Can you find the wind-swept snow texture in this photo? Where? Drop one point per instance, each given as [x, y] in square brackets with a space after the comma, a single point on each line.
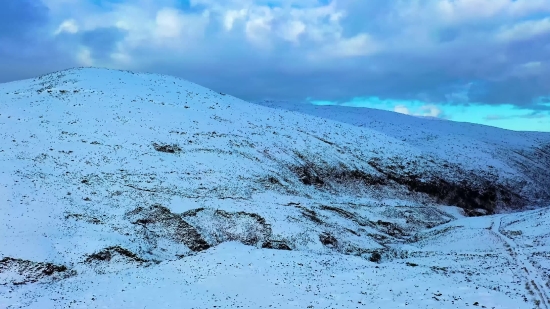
[124, 190]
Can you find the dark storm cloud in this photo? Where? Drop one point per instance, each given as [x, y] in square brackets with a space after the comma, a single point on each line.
[451, 62]
[438, 77]
[418, 53]
[18, 18]
[102, 41]
[25, 49]
[527, 76]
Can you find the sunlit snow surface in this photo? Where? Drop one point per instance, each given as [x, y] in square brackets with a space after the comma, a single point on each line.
[82, 186]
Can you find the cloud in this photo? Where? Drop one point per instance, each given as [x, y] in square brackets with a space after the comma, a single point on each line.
[463, 52]
[531, 115]
[520, 120]
[423, 111]
[25, 49]
[359, 45]
[19, 17]
[18, 22]
[430, 111]
[102, 42]
[68, 26]
[524, 30]
[402, 109]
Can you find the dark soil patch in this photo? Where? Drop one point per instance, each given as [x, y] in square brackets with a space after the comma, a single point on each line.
[258, 218]
[473, 191]
[192, 212]
[275, 244]
[310, 214]
[328, 240]
[347, 215]
[176, 228]
[470, 191]
[390, 228]
[108, 253]
[346, 176]
[340, 211]
[31, 272]
[308, 175]
[167, 148]
[375, 257]
[92, 220]
[257, 232]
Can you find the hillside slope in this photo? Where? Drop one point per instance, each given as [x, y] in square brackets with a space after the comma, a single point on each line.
[114, 182]
[471, 146]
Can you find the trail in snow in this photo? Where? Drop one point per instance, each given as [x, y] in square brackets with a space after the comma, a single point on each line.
[534, 283]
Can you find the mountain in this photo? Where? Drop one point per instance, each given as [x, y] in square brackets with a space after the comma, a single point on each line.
[127, 190]
[521, 159]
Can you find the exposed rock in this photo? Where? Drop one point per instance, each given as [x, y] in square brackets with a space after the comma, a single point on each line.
[275, 244]
[328, 240]
[172, 225]
[375, 257]
[469, 191]
[167, 148]
[220, 226]
[107, 254]
[18, 271]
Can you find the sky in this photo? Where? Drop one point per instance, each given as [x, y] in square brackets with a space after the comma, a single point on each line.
[481, 61]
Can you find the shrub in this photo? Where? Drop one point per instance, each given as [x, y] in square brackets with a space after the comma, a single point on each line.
[375, 257]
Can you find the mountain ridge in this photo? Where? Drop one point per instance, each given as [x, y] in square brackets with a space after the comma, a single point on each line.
[111, 175]
[480, 162]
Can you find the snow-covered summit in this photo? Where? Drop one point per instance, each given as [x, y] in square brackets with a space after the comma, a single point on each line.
[111, 179]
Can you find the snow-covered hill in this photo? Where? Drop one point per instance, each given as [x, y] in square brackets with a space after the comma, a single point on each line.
[125, 190]
[469, 145]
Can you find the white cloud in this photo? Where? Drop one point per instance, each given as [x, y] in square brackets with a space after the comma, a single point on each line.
[84, 56]
[264, 25]
[402, 109]
[231, 16]
[359, 45]
[258, 27]
[519, 8]
[422, 111]
[461, 10]
[172, 24]
[169, 23]
[429, 111]
[292, 30]
[524, 30]
[68, 26]
[122, 59]
[446, 12]
[310, 26]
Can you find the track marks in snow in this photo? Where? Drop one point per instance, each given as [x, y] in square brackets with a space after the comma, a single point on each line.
[533, 283]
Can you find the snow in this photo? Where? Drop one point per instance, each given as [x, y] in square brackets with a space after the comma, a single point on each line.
[84, 184]
[236, 276]
[474, 144]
